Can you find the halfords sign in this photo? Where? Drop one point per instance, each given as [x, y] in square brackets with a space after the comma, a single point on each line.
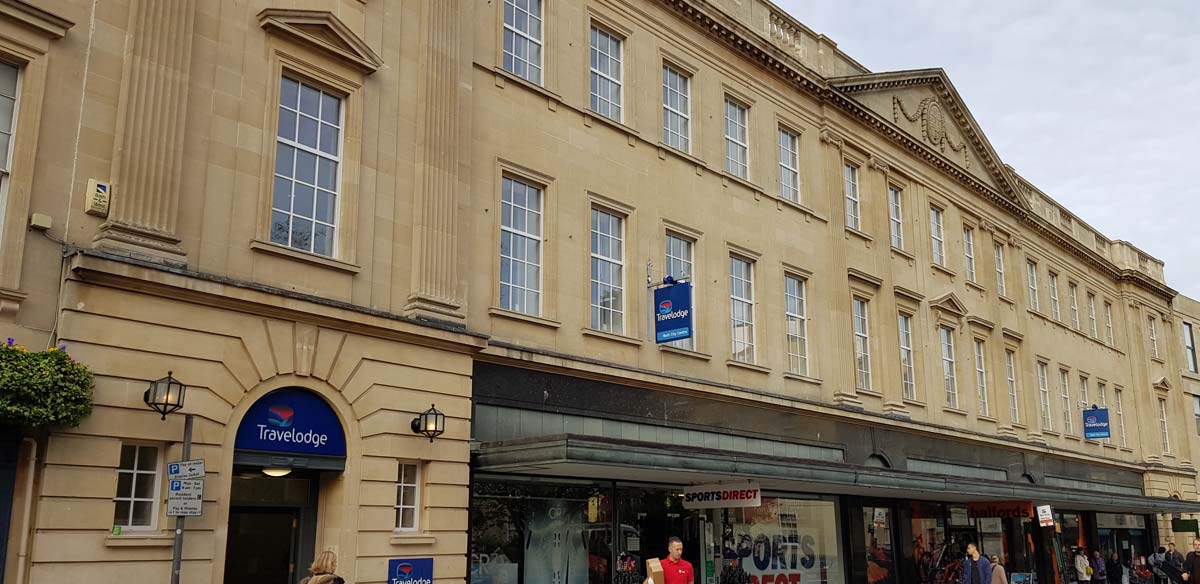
[722, 496]
[293, 421]
[673, 312]
[1000, 510]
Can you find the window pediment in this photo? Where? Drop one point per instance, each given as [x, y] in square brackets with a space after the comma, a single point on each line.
[322, 30]
[49, 24]
[949, 304]
[1162, 384]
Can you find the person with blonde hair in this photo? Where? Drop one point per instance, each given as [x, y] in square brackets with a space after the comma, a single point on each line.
[322, 570]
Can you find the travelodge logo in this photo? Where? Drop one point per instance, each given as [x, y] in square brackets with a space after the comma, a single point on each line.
[664, 307]
[404, 575]
[280, 415]
[666, 311]
[1091, 419]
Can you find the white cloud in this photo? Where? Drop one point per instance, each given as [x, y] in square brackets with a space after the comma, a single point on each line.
[1097, 102]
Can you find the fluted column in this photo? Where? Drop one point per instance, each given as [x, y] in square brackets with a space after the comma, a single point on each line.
[435, 290]
[148, 157]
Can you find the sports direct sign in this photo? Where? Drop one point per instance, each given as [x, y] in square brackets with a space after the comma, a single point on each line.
[722, 496]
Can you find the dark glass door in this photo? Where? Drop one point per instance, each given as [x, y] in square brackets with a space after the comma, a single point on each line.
[262, 546]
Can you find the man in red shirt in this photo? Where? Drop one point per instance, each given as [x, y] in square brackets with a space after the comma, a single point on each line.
[677, 570]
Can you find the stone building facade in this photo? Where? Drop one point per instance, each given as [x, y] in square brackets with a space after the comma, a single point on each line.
[387, 204]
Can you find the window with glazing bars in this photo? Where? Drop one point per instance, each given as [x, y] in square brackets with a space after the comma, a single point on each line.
[608, 267]
[1010, 366]
[789, 165]
[1001, 285]
[1064, 384]
[741, 308]
[937, 236]
[969, 252]
[896, 216]
[523, 39]
[520, 247]
[677, 130]
[949, 379]
[908, 377]
[853, 214]
[797, 324]
[680, 265]
[737, 139]
[606, 74]
[862, 344]
[308, 156]
[1044, 397]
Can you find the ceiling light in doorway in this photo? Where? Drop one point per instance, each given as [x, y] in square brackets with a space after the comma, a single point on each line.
[277, 472]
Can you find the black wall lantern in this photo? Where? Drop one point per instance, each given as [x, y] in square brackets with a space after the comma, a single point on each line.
[431, 423]
[165, 395]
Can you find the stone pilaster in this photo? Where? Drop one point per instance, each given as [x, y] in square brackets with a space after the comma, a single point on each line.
[435, 291]
[148, 156]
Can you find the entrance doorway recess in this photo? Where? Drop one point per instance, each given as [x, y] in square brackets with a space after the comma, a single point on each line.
[272, 527]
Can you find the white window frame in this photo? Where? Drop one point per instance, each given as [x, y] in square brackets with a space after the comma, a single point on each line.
[1064, 385]
[680, 139]
[1052, 285]
[598, 76]
[401, 504]
[853, 201]
[535, 71]
[1196, 411]
[688, 263]
[1083, 392]
[896, 215]
[937, 235]
[743, 350]
[1010, 365]
[981, 387]
[1163, 426]
[1091, 298]
[796, 314]
[1189, 347]
[1073, 291]
[908, 376]
[1043, 370]
[969, 252]
[523, 236]
[297, 147]
[737, 138]
[1152, 331]
[1031, 276]
[6, 154]
[1108, 326]
[1117, 395]
[949, 377]
[616, 314]
[861, 316]
[1001, 285]
[155, 494]
[789, 165]
[1102, 389]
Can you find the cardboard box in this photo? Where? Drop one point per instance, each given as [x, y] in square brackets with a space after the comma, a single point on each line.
[654, 571]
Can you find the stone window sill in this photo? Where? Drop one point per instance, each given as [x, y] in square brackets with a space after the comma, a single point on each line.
[685, 352]
[589, 116]
[728, 177]
[956, 411]
[502, 75]
[859, 234]
[976, 286]
[287, 252]
[664, 149]
[750, 366]
[1007, 299]
[868, 392]
[803, 378]
[991, 419]
[905, 254]
[915, 403]
[145, 539]
[944, 270]
[412, 538]
[618, 338]
[807, 211]
[496, 311]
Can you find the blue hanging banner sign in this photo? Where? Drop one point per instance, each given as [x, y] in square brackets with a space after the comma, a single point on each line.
[673, 312]
[1095, 424]
[294, 421]
[410, 571]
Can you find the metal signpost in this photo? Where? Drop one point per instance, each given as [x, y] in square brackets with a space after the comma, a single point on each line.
[185, 495]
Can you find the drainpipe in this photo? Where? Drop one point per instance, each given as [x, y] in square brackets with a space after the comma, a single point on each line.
[23, 551]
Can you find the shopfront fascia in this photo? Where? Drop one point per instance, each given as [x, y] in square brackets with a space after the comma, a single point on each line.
[612, 468]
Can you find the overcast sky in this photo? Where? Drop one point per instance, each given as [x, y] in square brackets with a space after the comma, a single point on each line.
[1096, 102]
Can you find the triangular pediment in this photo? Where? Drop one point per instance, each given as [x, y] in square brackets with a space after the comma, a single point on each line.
[950, 304]
[925, 106]
[1162, 383]
[322, 30]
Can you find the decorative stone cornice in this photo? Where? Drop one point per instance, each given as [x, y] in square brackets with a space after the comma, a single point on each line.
[837, 92]
[828, 137]
[323, 31]
[878, 164]
[47, 23]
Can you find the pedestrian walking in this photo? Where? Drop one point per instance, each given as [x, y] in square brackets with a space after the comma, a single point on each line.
[1096, 563]
[1174, 557]
[1083, 568]
[1191, 565]
[977, 568]
[999, 576]
[1114, 569]
[1157, 560]
[323, 570]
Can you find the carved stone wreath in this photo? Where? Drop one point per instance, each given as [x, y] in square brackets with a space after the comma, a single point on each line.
[932, 117]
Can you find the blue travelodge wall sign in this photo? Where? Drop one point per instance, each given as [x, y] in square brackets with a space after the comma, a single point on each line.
[1095, 423]
[673, 312]
[294, 421]
[410, 571]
